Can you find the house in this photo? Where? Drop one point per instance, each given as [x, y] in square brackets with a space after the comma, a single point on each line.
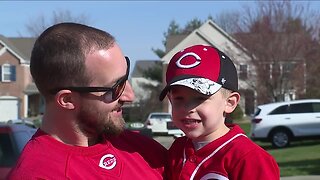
[138, 81]
[19, 98]
[211, 34]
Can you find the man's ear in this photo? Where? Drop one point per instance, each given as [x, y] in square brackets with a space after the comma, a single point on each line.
[65, 99]
[232, 102]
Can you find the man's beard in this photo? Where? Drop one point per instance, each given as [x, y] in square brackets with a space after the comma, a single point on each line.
[97, 124]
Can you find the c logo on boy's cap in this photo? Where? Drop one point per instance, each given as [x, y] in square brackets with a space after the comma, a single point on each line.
[196, 63]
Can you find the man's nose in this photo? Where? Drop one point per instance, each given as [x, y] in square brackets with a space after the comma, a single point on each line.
[128, 94]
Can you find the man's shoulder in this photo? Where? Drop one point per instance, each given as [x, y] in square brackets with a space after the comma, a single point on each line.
[182, 139]
[151, 151]
[179, 143]
[34, 160]
[40, 151]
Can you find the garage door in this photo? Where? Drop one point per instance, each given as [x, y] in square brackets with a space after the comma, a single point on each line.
[9, 108]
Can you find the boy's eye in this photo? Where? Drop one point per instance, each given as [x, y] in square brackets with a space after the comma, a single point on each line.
[177, 98]
[201, 98]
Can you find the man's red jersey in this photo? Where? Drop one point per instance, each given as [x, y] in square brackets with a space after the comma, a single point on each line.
[129, 156]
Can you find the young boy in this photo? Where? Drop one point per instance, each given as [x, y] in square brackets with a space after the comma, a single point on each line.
[202, 86]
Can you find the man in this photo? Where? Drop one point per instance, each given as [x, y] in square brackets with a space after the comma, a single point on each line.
[82, 74]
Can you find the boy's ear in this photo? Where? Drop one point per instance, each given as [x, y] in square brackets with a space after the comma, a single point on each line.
[65, 99]
[232, 102]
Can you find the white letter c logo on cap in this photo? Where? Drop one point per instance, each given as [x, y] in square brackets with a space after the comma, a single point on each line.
[197, 62]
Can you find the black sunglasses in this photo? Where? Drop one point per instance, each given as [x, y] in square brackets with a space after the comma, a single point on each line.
[111, 93]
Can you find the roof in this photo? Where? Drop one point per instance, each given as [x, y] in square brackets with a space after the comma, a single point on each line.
[174, 40]
[24, 45]
[19, 46]
[290, 102]
[31, 89]
[210, 34]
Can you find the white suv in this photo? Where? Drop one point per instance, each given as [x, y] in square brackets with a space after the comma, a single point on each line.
[282, 122]
[161, 123]
[157, 122]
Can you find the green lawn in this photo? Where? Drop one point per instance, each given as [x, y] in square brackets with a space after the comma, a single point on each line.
[301, 158]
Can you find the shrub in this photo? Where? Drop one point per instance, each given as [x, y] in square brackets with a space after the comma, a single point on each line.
[237, 114]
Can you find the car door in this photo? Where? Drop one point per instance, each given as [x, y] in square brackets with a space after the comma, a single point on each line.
[159, 122]
[305, 119]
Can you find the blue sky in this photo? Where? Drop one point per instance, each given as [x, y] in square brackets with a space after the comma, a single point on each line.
[137, 25]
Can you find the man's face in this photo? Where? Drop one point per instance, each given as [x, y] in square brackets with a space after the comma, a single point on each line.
[96, 120]
[97, 114]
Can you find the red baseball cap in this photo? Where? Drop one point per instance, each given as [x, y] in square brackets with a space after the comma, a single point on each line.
[202, 68]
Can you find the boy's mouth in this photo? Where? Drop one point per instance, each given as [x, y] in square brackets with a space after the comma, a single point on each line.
[190, 121]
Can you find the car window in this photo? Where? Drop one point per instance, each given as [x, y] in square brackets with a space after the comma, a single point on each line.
[161, 116]
[257, 112]
[7, 154]
[281, 110]
[316, 107]
[301, 108]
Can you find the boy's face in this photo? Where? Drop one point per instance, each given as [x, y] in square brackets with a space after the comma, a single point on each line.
[199, 116]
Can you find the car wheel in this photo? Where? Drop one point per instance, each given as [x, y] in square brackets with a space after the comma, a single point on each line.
[280, 138]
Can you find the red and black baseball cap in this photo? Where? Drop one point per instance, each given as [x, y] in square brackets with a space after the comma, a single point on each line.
[202, 68]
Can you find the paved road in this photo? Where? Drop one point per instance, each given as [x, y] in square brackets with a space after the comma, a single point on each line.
[166, 141]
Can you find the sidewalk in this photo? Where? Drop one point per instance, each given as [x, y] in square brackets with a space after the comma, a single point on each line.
[312, 177]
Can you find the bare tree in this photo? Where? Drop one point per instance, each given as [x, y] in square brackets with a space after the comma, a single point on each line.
[279, 36]
[228, 21]
[37, 25]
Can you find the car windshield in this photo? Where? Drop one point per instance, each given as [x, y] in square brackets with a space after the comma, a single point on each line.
[161, 116]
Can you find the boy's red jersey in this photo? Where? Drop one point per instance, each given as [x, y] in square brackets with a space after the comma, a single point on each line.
[232, 156]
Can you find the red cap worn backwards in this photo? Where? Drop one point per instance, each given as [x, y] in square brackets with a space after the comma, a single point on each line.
[202, 68]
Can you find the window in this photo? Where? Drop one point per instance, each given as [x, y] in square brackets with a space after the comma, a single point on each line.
[8, 73]
[316, 107]
[161, 116]
[22, 137]
[243, 74]
[281, 110]
[267, 70]
[301, 108]
[257, 112]
[276, 70]
[287, 67]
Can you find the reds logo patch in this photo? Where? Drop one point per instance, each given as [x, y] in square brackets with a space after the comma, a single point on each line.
[108, 161]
